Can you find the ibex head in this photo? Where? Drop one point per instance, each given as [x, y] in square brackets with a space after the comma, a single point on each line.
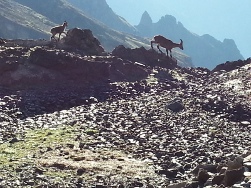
[181, 44]
[65, 23]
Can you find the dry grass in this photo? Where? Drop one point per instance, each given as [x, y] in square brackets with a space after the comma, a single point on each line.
[101, 162]
[56, 152]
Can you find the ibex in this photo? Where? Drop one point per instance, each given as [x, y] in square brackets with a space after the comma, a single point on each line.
[165, 43]
[58, 30]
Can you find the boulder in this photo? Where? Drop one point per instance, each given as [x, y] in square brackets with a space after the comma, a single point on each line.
[233, 176]
[236, 163]
[147, 57]
[83, 40]
[175, 106]
[203, 176]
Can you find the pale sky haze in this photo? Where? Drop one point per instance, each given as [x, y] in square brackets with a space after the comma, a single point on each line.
[219, 18]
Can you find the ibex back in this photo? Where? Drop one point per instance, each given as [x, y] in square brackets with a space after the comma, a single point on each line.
[165, 43]
[58, 30]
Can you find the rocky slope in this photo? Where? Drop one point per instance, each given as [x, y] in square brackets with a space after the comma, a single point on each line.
[41, 16]
[13, 24]
[101, 11]
[74, 116]
[205, 50]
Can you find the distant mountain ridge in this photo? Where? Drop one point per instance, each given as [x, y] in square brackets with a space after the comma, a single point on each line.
[204, 50]
[101, 11]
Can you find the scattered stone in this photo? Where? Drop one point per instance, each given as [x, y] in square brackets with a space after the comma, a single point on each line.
[60, 166]
[169, 173]
[245, 123]
[247, 158]
[248, 165]
[14, 140]
[177, 185]
[208, 167]
[39, 170]
[175, 105]
[81, 171]
[247, 174]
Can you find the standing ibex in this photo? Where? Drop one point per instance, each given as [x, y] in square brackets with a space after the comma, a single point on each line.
[58, 30]
[165, 43]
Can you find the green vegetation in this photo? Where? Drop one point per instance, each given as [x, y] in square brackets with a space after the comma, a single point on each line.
[33, 143]
[64, 153]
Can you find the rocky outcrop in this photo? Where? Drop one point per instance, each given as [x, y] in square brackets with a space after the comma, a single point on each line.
[229, 66]
[76, 39]
[83, 39]
[51, 66]
[75, 58]
[146, 57]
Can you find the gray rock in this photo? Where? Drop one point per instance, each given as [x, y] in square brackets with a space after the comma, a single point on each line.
[83, 39]
[233, 176]
[175, 106]
[218, 179]
[203, 176]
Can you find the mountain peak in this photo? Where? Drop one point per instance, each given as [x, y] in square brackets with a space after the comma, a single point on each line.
[145, 24]
[145, 19]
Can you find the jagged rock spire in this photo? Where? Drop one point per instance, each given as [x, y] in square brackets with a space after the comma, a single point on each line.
[145, 19]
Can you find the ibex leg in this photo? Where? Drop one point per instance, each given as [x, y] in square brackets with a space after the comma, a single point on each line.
[171, 54]
[159, 48]
[167, 52]
[152, 41]
[52, 37]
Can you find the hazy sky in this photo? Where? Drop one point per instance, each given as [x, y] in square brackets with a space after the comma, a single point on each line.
[219, 18]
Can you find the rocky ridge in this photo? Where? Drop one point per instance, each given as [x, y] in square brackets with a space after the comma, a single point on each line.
[100, 10]
[141, 124]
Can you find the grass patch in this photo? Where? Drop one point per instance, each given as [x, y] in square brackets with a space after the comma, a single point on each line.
[57, 154]
[33, 143]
